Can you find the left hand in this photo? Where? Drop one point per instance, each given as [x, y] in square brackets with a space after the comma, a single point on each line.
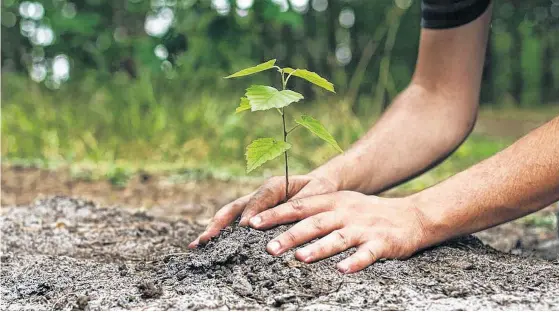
[379, 227]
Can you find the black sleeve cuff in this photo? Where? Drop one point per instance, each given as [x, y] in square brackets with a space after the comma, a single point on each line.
[439, 14]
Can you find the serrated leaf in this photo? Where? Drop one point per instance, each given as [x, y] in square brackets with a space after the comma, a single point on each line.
[253, 70]
[264, 97]
[263, 150]
[311, 77]
[243, 106]
[319, 130]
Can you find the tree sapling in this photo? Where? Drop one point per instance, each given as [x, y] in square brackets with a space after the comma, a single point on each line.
[258, 97]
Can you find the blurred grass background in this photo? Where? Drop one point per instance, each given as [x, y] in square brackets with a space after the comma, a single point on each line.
[83, 127]
[111, 88]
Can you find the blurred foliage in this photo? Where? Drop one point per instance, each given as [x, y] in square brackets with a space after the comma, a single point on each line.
[141, 80]
[548, 221]
[203, 135]
[365, 47]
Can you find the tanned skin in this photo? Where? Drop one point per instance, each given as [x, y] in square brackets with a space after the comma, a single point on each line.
[423, 125]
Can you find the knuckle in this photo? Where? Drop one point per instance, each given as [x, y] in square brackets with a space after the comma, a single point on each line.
[326, 184]
[321, 249]
[256, 201]
[290, 237]
[297, 204]
[371, 253]
[342, 238]
[270, 214]
[265, 191]
[361, 235]
[317, 223]
[382, 236]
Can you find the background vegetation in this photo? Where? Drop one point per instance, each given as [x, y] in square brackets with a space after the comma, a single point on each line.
[138, 83]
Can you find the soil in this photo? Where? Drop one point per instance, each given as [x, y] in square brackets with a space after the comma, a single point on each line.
[163, 194]
[198, 200]
[64, 253]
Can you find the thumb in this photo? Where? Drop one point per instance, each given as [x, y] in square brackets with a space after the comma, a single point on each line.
[271, 194]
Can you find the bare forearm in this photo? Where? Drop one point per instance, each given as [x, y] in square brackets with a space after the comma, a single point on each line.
[419, 129]
[517, 181]
[428, 120]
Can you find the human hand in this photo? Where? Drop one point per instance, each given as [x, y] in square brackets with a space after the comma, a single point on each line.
[379, 228]
[267, 196]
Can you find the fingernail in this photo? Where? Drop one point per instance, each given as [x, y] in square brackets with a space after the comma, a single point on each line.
[305, 255]
[274, 247]
[194, 244]
[256, 221]
[242, 222]
[343, 267]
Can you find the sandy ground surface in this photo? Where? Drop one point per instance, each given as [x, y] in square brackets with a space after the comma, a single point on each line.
[198, 199]
[63, 253]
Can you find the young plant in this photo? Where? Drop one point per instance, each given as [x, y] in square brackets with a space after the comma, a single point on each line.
[258, 98]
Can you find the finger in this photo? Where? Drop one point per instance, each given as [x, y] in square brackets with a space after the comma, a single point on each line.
[292, 211]
[331, 244]
[270, 194]
[304, 231]
[222, 218]
[194, 243]
[365, 255]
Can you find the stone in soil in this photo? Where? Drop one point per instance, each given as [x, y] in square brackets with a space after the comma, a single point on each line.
[64, 253]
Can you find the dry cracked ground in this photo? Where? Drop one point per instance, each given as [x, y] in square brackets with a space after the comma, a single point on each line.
[65, 253]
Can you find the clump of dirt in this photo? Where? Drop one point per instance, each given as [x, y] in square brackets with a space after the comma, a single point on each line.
[64, 253]
[150, 290]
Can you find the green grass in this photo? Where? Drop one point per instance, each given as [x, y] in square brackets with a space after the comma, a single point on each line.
[538, 221]
[147, 122]
[111, 130]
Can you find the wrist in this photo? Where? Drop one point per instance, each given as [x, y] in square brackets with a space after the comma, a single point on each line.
[431, 219]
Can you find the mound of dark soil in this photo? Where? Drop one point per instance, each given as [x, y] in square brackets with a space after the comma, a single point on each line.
[65, 253]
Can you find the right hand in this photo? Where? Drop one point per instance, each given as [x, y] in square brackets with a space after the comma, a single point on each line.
[267, 196]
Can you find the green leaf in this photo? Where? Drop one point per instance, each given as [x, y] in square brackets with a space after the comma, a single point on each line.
[311, 77]
[253, 70]
[318, 129]
[243, 106]
[264, 97]
[263, 150]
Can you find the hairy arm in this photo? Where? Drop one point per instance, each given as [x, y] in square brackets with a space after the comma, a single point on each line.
[427, 121]
[423, 125]
[517, 181]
